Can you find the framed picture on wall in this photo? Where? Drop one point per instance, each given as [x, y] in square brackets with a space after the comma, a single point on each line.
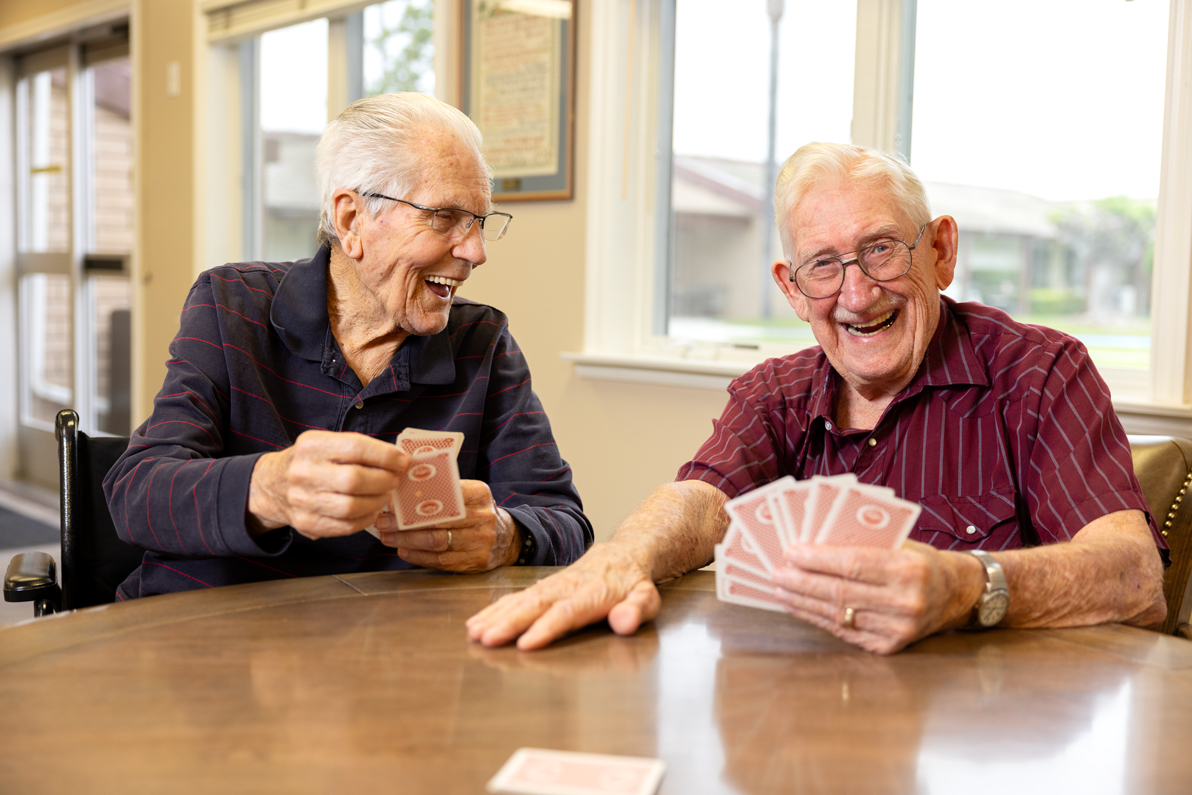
[518, 85]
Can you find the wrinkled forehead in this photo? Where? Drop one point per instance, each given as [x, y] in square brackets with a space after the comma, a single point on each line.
[451, 175]
[837, 217]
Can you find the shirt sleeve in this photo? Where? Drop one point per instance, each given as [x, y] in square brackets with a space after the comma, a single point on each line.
[1080, 463]
[520, 461]
[748, 447]
[172, 492]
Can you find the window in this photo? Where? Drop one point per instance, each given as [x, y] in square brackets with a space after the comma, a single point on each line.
[75, 232]
[294, 79]
[1048, 154]
[675, 279]
[721, 215]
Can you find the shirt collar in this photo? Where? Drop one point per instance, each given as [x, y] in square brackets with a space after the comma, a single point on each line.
[949, 361]
[299, 314]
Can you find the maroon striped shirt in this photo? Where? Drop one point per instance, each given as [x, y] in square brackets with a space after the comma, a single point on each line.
[255, 364]
[1006, 435]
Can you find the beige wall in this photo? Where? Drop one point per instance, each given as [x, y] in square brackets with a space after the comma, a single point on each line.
[163, 33]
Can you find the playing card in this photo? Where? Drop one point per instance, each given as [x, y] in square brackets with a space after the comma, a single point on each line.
[538, 771]
[752, 512]
[737, 548]
[416, 441]
[864, 516]
[788, 502]
[815, 511]
[430, 493]
[734, 591]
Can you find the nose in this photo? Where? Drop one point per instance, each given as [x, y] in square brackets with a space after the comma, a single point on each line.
[858, 288]
[470, 246]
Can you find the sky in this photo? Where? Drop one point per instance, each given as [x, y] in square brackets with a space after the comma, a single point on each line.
[1062, 99]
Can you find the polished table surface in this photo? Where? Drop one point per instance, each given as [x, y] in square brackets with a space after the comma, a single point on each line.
[367, 683]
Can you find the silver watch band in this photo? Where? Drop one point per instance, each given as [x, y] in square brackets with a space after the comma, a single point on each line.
[994, 601]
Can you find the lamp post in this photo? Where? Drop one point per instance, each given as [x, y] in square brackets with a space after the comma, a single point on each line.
[775, 9]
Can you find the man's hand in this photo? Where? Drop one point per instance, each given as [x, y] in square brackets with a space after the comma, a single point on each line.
[327, 484]
[605, 583]
[484, 539]
[898, 596]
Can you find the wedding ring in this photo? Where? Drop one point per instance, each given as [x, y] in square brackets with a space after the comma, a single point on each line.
[448, 540]
[849, 617]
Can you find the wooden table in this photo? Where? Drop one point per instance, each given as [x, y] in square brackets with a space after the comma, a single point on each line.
[367, 683]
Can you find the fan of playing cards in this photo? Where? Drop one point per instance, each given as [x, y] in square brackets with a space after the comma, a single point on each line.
[430, 493]
[835, 511]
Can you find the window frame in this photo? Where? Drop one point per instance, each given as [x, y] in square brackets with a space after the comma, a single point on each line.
[228, 111]
[628, 205]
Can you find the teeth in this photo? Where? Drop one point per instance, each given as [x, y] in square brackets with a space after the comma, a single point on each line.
[878, 324]
[444, 280]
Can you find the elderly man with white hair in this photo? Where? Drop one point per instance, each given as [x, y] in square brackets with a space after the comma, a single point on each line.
[270, 446]
[1004, 433]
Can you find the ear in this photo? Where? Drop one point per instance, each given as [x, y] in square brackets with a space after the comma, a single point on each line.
[944, 242]
[347, 209]
[781, 271]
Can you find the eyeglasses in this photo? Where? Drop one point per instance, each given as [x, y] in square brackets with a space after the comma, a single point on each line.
[454, 223]
[883, 260]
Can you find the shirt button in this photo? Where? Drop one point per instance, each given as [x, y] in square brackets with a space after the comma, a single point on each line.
[970, 530]
[359, 404]
[872, 442]
[827, 426]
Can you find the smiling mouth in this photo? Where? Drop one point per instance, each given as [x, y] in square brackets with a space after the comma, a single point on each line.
[442, 286]
[878, 325]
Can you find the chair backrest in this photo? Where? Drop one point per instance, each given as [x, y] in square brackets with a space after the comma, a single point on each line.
[94, 559]
[1163, 465]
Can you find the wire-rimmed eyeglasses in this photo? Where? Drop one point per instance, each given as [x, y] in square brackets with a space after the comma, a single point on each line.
[882, 260]
[454, 223]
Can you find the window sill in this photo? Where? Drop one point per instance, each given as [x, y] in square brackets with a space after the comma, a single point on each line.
[660, 371]
[1138, 415]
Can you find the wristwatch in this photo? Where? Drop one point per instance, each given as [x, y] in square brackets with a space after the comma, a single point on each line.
[991, 608]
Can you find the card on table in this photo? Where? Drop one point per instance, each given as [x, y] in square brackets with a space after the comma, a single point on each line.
[539, 771]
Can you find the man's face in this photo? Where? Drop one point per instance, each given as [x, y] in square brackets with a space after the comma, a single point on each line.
[875, 334]
[412, 270]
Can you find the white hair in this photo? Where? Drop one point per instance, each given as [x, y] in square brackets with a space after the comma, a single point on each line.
[373, 147]
[816, 163]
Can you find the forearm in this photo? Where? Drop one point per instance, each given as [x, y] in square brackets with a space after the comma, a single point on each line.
[675, 530]
[1109, 572]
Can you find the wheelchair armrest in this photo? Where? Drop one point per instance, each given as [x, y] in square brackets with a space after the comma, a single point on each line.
[33, 577]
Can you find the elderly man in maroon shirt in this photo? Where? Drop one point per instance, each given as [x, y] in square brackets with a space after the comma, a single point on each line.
[1003, 432]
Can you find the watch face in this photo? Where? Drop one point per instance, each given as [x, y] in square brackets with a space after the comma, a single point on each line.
[994, 608]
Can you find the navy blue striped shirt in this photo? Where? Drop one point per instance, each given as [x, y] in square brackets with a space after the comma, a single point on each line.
[255, 364]
[1006, 435]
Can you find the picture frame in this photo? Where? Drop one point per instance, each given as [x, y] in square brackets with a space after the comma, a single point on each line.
[518, 86]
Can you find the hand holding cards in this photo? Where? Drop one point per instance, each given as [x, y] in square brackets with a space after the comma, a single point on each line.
[430, 494]
[833, 511]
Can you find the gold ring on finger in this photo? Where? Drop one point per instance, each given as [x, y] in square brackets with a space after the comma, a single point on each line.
[850, 617]
[448, 540]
